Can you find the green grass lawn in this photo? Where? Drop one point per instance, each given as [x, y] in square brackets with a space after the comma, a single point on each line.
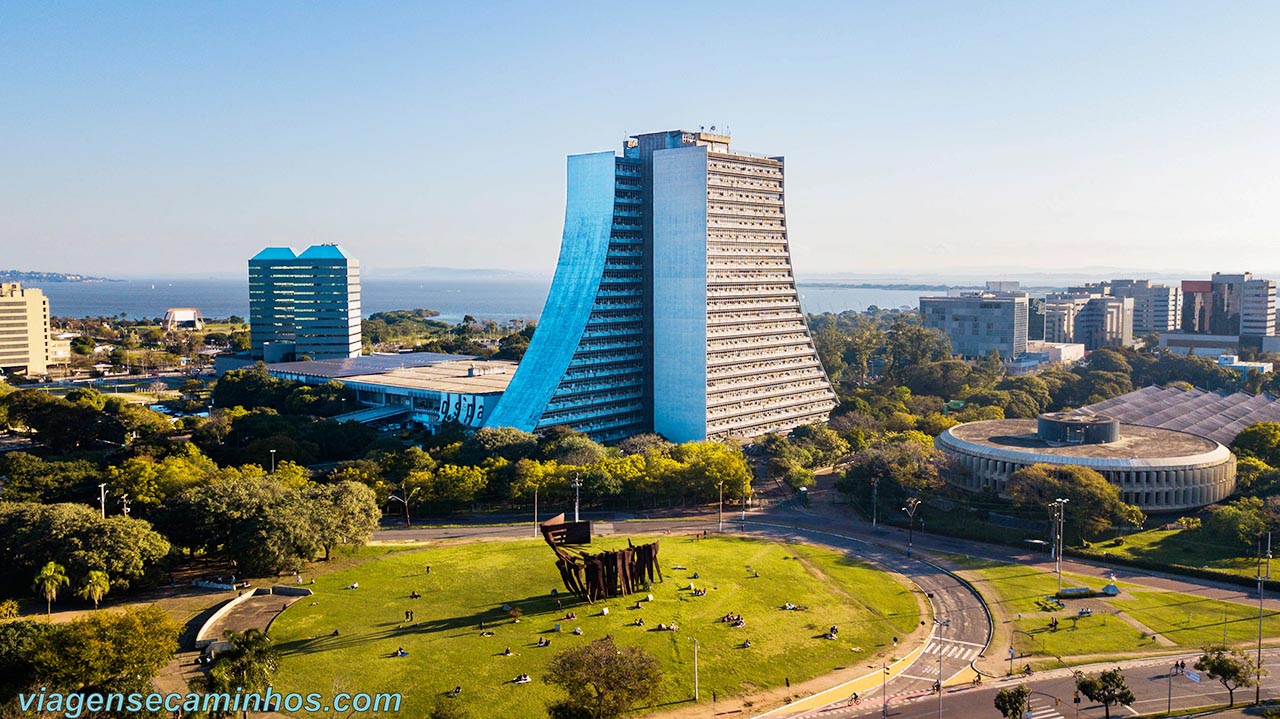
[1195, 621]
[470, 583]
[1176, 547]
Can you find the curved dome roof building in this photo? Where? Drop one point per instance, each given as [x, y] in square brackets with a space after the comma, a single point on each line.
[1157, 469]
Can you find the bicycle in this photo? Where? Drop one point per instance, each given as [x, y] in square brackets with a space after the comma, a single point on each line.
[1026, 671]
[855, 698]
[977, 680]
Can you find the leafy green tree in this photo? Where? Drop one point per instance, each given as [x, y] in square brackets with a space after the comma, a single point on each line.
[1231, 667]
[95, 586]
[29, 478]
[343, 513]
[603, 680]
[107, 651]
[1107, 687]
[1239, 521]
[49, 580]
[1259, 441]
[1011, 702]
[1094, 503]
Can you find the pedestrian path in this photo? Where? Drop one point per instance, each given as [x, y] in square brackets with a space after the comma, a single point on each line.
[953, 649]
[1044, 711]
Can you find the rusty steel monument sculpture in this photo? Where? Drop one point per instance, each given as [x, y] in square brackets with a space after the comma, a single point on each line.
[598, 575]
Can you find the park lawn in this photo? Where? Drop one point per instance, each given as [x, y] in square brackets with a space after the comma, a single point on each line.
[1177, 547]
[1018, 589]
[1193, 621]
[471, 583]
[1083, 636]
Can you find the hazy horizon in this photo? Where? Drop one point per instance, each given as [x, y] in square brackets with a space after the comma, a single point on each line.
[923, 139]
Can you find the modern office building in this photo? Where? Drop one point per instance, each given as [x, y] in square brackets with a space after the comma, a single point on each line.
[978, 322]
[673, 308]
[1093, 320]
[1156, 307]
[304, 305]
[1197, 305]
[1258, 308]
[24, 329]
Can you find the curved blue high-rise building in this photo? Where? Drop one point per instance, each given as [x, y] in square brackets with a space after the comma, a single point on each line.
[674, 307]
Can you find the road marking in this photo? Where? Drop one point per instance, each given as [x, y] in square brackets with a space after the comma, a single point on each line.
[923, 679]
[1131, 709]
[1046, 712]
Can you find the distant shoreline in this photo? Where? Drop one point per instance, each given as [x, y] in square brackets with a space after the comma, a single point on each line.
[59, 277]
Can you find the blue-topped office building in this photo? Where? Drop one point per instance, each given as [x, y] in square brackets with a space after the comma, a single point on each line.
[304, 304]
[674, 306]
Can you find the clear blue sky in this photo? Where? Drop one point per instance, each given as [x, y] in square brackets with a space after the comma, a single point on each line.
[173, 137]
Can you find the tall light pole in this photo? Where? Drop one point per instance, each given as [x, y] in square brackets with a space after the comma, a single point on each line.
[273, 461]
[746, 490]
[404, 499]
[1060, 514]
[124, 504]
[912, 504]
[720, 510]
[535, 510]
[1262, 583]
[695, 668]
[875, 505]
[102, 499]
[942, 624]
[884, 693]
[577, 487]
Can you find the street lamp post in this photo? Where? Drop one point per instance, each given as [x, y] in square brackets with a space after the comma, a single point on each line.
[102, 499]
[535, 510]
[273, 461]
[912, 504]
[720, 509]
[695, 668]
[405, 499]
[1262, 583]
[875, 505]
[1169, 708]
[942, 624]
[1059, 515]
[884, 693]
[577, 487]
[746, 489]
[124, 504]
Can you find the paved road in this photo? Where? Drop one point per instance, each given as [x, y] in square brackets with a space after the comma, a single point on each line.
[1152, 681]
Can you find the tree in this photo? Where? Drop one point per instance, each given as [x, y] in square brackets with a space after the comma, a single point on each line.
[603, 680]
[1094, 502]
[1012, 702]
[49, 580]
[107, 651]
[95, 586]
[1231, 667]
[1107, 687]
[1260, 441]
[343, 513]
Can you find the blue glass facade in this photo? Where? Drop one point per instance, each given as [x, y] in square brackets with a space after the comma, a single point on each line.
[674, 308]
[586, 367]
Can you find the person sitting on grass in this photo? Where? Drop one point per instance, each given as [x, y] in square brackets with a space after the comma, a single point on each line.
[577, 631]
[506, 652]
[522, 679]
[400, 652]
[746, 644]
[415, 595]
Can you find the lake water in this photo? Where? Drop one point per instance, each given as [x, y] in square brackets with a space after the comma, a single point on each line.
[495, 298]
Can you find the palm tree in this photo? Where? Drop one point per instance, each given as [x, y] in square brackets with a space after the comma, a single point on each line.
[96, 585]
[250, 664]
[50, 579]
